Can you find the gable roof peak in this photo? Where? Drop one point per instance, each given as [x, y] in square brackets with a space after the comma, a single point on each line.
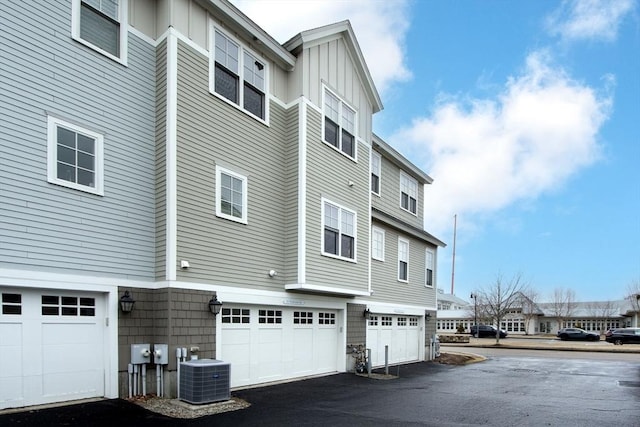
[342, 29]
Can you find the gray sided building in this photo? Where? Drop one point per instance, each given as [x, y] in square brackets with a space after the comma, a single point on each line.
[175, 151]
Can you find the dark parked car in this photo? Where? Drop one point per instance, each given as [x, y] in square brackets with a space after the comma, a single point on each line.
[623, 336]
[487, 331]
[577, 334]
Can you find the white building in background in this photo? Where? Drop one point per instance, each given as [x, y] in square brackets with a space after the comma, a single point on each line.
[596, 316]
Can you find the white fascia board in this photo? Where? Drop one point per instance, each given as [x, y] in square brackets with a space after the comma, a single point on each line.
[171, 135]
[302, 192]
[399, 309]
[331, 290]
[251, 30]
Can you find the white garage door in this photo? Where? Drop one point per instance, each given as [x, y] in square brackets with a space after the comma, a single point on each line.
[273, 343]
[51, 347]
[400, 333]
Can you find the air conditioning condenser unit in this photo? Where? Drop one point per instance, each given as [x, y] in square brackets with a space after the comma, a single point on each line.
[205, 381]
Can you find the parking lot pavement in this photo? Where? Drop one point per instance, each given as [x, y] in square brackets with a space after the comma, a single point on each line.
[549, 343]
[502, 391]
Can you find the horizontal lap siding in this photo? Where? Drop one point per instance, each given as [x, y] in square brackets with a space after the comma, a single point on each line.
[291, 198]
[384, 274]
[328, 175]
[389, 199]
[45, 226]
[210, 132]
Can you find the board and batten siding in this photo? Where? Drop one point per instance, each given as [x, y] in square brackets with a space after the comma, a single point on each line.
[48, 227]
[328, 175]
[331, 63]
[384, 274]
[161, 160]
[389, 199]
[212, 132]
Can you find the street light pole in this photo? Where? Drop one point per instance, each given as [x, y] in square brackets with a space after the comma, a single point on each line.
[475, 309]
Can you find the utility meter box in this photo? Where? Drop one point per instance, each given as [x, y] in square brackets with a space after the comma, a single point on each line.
[161, 354]
[140, 353]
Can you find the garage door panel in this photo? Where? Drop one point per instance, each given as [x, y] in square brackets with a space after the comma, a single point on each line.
[237, 336]
[403, 340]
[10, 350]
[11, 389]
[68, 333]
[303, 351]
[74, 385]
[52, 358]
[284, 342]
[236, 346]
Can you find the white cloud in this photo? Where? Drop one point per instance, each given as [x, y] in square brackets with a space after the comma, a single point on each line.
[487, 154]
[589, 19]
[380, 27]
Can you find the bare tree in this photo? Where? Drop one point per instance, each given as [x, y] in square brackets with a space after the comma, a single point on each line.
[563, 304]
[528, 303]
[633, 291]
[499, 298]
[633, 296]
[601, 311]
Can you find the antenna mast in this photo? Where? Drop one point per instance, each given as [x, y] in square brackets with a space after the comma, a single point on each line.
[453, 264]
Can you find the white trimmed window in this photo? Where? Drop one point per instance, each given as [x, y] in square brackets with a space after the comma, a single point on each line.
[403, 260]
[339, 231]
[376, 170]
[101, 25]
[377, 243]
[339, 124]
[237, 75]
[429, 267]
[231, 195]
[408, 193]
[74, 156]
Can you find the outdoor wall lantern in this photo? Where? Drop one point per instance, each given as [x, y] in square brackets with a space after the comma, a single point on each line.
[215, 305]
[366, 314]
[427, 316]
[126, 302]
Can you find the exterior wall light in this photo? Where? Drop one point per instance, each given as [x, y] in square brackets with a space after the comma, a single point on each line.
[126, 302]
[366, 314]
[215, 305]
[427, 316]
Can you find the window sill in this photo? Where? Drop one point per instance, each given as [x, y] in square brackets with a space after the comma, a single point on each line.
[340, 258]
[265, 121]
[122, 61]
[333, 147]
[77, 187]
[409, 212]
[232, 218]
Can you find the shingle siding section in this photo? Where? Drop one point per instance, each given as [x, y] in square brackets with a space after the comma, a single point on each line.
[45, 226]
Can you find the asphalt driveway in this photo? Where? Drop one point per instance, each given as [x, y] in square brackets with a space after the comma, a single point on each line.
[502, 391]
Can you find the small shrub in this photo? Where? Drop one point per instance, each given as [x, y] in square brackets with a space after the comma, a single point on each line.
[460, 329]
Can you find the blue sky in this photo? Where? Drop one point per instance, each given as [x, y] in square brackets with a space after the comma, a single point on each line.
[527, 116]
